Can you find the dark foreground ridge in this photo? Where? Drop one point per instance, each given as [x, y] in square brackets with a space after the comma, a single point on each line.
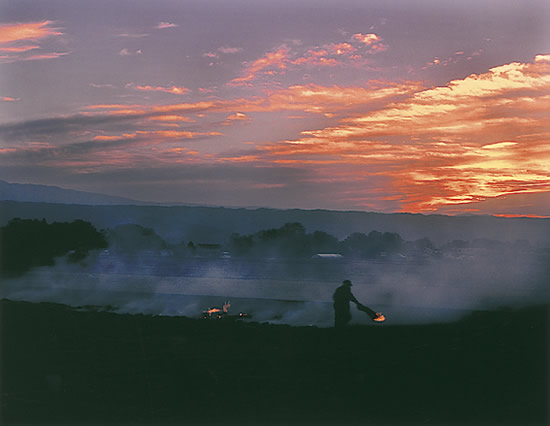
[65, 366]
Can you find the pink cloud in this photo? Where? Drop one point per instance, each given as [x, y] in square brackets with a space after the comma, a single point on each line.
[10, 33]
[476, 138]
[367, 39]
[230, 50]
[127, 52]
[271, 61]
[236, 117]
[17, 39]
[341, 48]
[19, 49]
[174, 90]
[163, 25]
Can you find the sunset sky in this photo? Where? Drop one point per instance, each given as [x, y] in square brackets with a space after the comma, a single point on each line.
[386, 106]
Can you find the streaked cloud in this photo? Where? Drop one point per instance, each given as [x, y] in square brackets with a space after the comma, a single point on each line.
[128, 52]
[18, 49]
[271, 62]
[174, 90]
[236, 117]
[164, 24]
[330, 109]
[226, 50]
[441, 146]
[31, 31]
[18, 39]
[133, 35]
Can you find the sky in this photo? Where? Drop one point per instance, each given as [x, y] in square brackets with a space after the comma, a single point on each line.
[385, 106]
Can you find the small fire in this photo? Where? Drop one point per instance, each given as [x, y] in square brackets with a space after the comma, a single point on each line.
[222, 313]
[379, 317]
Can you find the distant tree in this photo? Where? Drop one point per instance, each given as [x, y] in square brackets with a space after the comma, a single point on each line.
[456, 245]
[131, 239]
[423, 244]
[371, 245]
[241, 245]
[354, 245]
[26, 243]
[323, 242]
[191, 247]
[288, 241]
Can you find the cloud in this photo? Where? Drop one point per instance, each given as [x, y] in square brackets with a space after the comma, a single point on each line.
[270, 62]
[368, 39]
[372, 41]
[9, 99]
[135, 35]
[236, 117]
[31, 31]
[102, 86]
[126, 52]
[18, 39]
[18, 49]
[174, 90]
[480, 137]
[277, 62]
[163, 25]
[332, 99]
[230, 50]
[384, 146]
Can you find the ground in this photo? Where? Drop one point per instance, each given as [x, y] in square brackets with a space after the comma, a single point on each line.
[67, 366]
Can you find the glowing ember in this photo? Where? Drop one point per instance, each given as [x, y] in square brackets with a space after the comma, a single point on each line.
[222, 313]
[379, 317]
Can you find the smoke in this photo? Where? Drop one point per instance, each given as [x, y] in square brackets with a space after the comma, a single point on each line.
[421, 290]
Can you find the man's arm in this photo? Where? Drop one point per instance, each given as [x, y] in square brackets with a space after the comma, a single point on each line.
[353, 299]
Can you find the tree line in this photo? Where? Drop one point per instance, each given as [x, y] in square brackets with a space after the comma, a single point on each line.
[292, 241]
[26, 243]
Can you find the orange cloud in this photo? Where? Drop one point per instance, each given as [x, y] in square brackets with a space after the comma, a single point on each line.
[115, 138]
[367, 39]
[373, 41]
[329, 99]
[271, 61]
[19, 38]
[174, 90]
[341, 48]
[238, 116]
[172, 118]
[164, 25]
[10, 33]
[483, 136]
[18, 49]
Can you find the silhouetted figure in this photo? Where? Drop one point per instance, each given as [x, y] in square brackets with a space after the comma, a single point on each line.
[342, 315]
[341, 297]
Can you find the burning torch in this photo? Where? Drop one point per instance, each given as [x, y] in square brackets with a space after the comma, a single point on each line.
[375, 316]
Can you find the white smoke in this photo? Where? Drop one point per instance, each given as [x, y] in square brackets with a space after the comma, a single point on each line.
[296, 293]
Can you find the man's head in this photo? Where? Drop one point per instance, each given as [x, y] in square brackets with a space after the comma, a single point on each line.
[347, 282]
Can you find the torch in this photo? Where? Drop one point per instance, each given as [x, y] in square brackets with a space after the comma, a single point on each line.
[375, 316]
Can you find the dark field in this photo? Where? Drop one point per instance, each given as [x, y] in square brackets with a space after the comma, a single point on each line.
[60, 366]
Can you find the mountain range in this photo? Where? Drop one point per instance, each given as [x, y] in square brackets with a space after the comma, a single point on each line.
[206, 224]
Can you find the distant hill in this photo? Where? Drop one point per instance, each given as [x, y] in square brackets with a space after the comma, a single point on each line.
[216, 224]
[53, 194]
[205, 224]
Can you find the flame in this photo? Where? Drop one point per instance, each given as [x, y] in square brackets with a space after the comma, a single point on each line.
[379, 317]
